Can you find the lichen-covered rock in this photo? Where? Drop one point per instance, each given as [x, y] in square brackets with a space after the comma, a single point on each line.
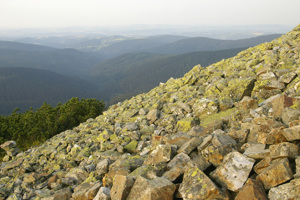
[284, 149]
[158, 188]
[196, 185]
[121, 187]
[252, 190]
[292, 133]
[190, 145]
[289, 190]
[234, 171]
[276, 174]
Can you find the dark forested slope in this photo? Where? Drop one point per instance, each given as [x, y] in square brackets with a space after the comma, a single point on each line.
[23, 88]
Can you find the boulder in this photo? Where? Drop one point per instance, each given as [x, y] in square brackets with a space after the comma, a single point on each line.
[289, 190]
[196, 185]
[252, 190]
[121, 187]
[234, 171]
[190, 145]
[277, 173]
[292, 133]
[103, 194]
[158, 188]
[284, 149]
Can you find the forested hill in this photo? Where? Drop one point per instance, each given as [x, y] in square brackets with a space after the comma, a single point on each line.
[64, 61]
[24, 88]
[209, 44]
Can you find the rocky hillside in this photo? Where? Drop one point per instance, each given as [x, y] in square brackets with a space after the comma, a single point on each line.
[228, 131]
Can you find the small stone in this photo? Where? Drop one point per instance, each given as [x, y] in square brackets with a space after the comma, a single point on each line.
[102, 166]
[276, 174]
[153, 115]
[234, 170]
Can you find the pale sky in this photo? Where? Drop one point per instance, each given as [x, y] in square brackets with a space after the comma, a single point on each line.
[68, 13]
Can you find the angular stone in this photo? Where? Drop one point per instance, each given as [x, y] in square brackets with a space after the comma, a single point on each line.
[9, 145]
[223, 140]
[289, 190]
[103, 194]
[162, 153]
[184, 106]
[174, 172]
[257, 151]
[121, 187]
[179, 159]
[102, 166]
[196, 185]
[281, 102]
[292, 133]
[79, 175]
[215, 155]
[273, 84]
[30, 178]
[287, 78]
[190, 145]
[158, 188]
[149, 171]
[86, 191]
[276, 174]
[284, 149]
[234, 171]
[153, 115]
[186, 124]
[200, 161]
[252, 190]
[64, 194]
[14, 164]
[289, 115]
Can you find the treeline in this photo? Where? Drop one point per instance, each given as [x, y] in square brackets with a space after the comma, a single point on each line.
[35, 126]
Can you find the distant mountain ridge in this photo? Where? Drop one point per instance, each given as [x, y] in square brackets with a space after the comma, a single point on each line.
[64, 61]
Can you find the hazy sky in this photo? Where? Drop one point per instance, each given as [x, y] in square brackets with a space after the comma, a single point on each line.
[66, 13]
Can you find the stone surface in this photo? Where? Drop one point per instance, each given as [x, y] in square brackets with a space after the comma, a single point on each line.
[121, 187]
[284, 149]
[234, 171]
[252, 190]
[196, 185]
[103, 194]
[190, 145]
[257, 151]
[292, 133]
[289, 190]
[277, 173]
[158, 188]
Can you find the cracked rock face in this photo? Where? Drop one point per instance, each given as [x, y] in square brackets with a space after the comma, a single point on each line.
[227, 131]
